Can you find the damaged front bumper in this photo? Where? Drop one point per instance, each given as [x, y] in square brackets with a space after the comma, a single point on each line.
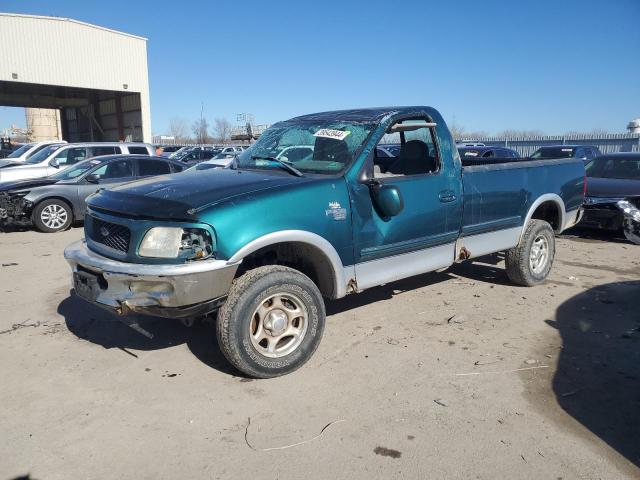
[14, 209]
[172, 291]
[631, 223]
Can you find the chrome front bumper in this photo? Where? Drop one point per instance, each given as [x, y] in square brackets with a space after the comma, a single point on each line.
[175, 290]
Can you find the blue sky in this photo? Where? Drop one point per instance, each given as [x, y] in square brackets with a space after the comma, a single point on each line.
[549, 65]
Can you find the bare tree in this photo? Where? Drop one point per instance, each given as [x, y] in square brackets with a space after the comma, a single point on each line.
[596, 132]
[520, 133]
[178, 129]
[457, 131]
[222, 130]
[200, 130]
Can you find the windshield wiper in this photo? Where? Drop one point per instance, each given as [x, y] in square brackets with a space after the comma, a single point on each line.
[286, 165]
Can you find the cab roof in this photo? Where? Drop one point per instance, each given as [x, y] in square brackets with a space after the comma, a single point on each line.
[372, 115]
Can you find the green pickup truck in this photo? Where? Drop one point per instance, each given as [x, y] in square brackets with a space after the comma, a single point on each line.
[310, 213]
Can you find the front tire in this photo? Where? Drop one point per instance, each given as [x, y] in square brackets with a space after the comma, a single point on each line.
[52, 215]
[529, 262]
[272, 321]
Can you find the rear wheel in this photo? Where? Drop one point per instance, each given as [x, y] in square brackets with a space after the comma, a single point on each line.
[529, 262]
[52, 215]
[272, 321]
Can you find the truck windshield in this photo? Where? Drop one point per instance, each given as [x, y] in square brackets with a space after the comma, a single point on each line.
[555, 152]
[320, 147]
[21, 150]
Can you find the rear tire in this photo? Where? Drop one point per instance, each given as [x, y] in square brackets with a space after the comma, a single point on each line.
[272, 321]
[529, 262]
[53, 215]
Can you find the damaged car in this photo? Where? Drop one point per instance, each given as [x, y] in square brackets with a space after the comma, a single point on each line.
[53, 203]
[612, 199]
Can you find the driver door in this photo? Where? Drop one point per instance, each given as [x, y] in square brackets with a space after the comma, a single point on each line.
[421, 237]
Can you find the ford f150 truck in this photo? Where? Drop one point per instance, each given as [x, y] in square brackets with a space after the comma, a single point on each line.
[266, 240]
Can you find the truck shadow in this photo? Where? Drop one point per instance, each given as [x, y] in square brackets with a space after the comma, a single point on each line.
[98, 326]
[597, 380]
[590, 235]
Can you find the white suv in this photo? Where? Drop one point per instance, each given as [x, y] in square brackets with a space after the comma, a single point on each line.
[54, 158]
[28, 150]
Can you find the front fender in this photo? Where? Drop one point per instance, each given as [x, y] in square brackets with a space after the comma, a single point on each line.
[341, 274]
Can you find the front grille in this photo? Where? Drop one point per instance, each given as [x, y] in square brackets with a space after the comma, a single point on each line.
[110, 234]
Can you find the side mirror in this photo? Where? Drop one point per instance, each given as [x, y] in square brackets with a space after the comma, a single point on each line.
[54, 163]
[387, 199]
[92, 178]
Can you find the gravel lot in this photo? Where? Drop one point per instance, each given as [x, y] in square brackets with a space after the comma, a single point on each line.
[448, 375]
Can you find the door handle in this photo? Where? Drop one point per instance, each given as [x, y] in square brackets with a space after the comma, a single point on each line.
[447, 196]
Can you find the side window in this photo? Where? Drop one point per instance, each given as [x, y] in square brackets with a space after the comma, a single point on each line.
[488, 154]
[117, 169]
[176, 168]
[207, 154]
[153, 167]
[138, 150]
[588, 152]
[418, 153]
[70, 156]
[97, 151]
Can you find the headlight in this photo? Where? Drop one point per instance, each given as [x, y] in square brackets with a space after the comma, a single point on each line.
[173, 242]
[600, 200]
[630, 210]
[161, 242]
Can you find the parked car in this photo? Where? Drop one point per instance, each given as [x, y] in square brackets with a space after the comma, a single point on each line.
[54, 158]
[484, 154]
[583, 152]
[194, 154]
[295, 153]
[264, 241]
[613, 189]
[52, 203]
[167, 150]
[26, 151]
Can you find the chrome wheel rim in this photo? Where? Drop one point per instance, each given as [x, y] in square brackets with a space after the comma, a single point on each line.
[54, 216]
[539, 255]
[278, 325]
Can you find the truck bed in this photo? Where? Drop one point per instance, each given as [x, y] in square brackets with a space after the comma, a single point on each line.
[498, 197]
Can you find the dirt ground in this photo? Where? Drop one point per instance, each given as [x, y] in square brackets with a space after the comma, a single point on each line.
[457, 374]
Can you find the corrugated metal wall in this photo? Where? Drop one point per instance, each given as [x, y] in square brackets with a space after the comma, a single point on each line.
[65, 52]
[608, 143]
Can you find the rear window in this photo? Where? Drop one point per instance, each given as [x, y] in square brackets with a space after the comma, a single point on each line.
[153, 167]
[97, 151]
[611, 167]
[554, 152]
[139, 150]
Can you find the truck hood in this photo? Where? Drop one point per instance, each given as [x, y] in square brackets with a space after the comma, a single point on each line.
[612, 187]
[26, 184]
[182, 195]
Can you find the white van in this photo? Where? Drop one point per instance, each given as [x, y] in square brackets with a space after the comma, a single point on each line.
[55, 158]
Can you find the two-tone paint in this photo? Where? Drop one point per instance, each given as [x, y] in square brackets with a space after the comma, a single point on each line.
[449, 214]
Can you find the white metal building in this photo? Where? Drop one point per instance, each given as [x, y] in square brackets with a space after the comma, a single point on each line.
[95, 76]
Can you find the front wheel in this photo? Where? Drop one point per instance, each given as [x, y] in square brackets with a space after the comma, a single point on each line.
[52, 215]
[272, 321]
[529, 262]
